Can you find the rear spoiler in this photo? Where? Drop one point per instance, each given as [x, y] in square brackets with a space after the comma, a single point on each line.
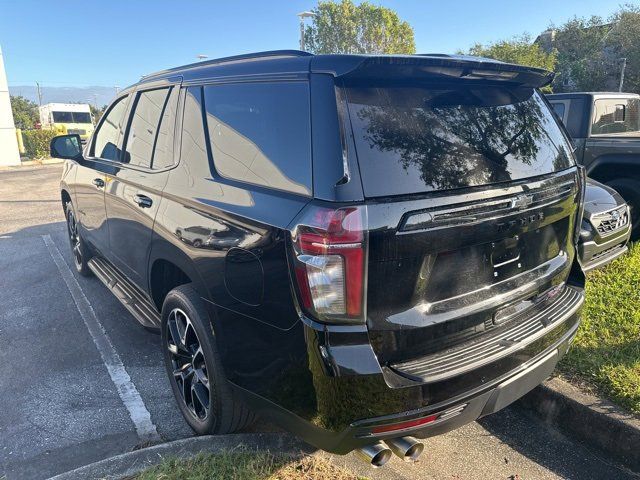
[383, 67]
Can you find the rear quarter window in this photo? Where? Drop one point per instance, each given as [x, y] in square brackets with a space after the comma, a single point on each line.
[412, 139]
[260, 133]
[616, 116]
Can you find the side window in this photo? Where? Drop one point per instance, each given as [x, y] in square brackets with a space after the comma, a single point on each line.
[108, 134]
[143, 127]
[559, 109]
[193, 148]
[612, 116]
[163, 153]
[260, 133]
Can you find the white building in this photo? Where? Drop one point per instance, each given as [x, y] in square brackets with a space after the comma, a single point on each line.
[9, 154]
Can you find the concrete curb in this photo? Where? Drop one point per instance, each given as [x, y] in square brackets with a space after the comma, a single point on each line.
[42, 161]
[593, 420]
[131, 463]
[32, 163]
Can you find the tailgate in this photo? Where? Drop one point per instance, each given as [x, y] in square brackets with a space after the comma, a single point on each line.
[468, 269]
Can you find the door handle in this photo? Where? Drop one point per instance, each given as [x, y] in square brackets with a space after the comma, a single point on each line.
[142, 200]
[98, 182]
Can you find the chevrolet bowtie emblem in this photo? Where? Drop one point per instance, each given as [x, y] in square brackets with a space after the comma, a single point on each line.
[521, 201]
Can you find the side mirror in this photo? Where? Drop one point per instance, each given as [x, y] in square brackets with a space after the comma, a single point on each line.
[66, 147]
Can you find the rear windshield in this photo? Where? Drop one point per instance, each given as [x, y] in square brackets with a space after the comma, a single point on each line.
[420, 139]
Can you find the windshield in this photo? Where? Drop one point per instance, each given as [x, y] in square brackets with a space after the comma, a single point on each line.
[420, 139]
[71, 117]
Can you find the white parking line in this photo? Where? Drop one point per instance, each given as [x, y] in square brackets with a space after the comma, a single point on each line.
[126, 389]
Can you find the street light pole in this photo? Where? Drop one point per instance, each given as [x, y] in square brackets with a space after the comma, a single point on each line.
[302, 16]
[624, 66]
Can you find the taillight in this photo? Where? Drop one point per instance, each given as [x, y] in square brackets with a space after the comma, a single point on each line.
[329, 251]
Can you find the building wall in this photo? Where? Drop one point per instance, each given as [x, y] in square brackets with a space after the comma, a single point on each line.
[8, 143]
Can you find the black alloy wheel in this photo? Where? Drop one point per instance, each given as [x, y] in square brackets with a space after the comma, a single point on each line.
[72, 228]
[189, 364]
[79, 251]
[194, 366]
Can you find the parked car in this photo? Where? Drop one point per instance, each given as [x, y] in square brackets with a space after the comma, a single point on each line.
[606, 226]
[605, 128]
[406, 254]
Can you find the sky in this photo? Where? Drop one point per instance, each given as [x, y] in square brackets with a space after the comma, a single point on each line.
[112, 43]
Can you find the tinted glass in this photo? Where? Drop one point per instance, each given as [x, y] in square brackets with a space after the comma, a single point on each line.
[260, 133]
[419, 139]
[81, 117]
[108, 134]
[193, 150]
[559, 109]
[616, 117]
[163, 153]
[71, 117]
[62, 117]
[143, 128]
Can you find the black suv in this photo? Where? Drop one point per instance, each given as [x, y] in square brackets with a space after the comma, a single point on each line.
[362, 249]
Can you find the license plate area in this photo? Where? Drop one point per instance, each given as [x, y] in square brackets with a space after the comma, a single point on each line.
[506, 258]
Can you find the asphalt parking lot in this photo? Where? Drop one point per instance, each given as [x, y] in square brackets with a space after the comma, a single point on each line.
[68, 349]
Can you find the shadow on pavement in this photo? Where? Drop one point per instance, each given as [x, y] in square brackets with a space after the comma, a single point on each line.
[543, 444]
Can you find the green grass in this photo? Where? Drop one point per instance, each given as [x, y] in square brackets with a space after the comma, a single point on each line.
[605, 356]
[245, 465]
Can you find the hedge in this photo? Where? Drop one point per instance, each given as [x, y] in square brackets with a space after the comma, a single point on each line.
[36, 142]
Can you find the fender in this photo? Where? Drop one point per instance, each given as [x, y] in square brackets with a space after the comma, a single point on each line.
[68, 179]
[163, 249]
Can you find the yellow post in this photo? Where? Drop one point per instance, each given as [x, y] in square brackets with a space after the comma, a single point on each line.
[20, 142]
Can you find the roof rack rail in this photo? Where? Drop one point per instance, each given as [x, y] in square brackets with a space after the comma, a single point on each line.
[234, 58]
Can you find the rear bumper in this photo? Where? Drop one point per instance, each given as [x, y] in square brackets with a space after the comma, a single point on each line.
[352, 395]
[461, 411]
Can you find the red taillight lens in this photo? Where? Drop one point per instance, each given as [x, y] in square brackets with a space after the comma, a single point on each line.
[329, 256]
[403, 425]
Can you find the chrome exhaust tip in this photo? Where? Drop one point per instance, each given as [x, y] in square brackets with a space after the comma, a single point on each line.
[407, 448]
[375, 455]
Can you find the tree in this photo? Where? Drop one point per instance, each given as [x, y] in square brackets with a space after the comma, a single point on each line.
[25, 112]
[520, 50]
[624, 40]
[365, 28]
[97, 112]
[591, 52]
[582, 60]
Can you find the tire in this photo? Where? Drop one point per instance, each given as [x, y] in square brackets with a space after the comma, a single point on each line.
[630, 191]
[194, 368]
[79, 249]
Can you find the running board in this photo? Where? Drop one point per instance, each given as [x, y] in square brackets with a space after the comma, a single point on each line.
[129, 295]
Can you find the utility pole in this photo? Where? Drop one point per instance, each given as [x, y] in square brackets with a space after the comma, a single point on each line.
[624, 67]
[117, 87]
[39, 94]
[302, 16]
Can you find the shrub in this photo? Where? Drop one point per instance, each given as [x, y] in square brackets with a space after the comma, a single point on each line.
[36, 142]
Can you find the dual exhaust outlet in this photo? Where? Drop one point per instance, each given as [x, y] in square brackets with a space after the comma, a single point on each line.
[407, 448]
